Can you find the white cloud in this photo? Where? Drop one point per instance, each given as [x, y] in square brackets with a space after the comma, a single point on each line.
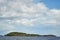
[1, 1]
[25, 11]
[25, 22]
[7, 27]
[55, 12]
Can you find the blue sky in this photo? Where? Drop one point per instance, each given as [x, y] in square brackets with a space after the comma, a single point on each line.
[30, 16]
[51, 3]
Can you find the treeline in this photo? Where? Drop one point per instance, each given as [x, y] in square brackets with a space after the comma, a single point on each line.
[25, 34]
[20, 34]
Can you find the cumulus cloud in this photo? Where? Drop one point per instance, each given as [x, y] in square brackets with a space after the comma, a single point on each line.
[27, 13]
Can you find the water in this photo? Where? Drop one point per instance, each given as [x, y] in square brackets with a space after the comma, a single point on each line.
[27, 38]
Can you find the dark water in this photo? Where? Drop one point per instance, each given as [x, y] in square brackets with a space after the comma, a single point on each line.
[28, 38]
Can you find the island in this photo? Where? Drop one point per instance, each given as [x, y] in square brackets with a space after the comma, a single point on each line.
[25, 34]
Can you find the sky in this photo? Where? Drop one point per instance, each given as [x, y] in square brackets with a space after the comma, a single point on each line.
[30, 16]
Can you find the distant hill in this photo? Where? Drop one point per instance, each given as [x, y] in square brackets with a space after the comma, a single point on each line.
[20, 34]
[25, 34]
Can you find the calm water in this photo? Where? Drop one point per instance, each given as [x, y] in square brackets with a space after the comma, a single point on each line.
[28, 38]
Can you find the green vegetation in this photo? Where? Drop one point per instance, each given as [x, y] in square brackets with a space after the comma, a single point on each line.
[20, 34]
[48, 35]
[24, 34]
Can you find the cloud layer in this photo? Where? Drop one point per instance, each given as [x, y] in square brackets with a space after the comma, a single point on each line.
[26, 13]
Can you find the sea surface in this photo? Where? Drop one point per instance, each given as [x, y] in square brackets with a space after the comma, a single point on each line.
[27, 38]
